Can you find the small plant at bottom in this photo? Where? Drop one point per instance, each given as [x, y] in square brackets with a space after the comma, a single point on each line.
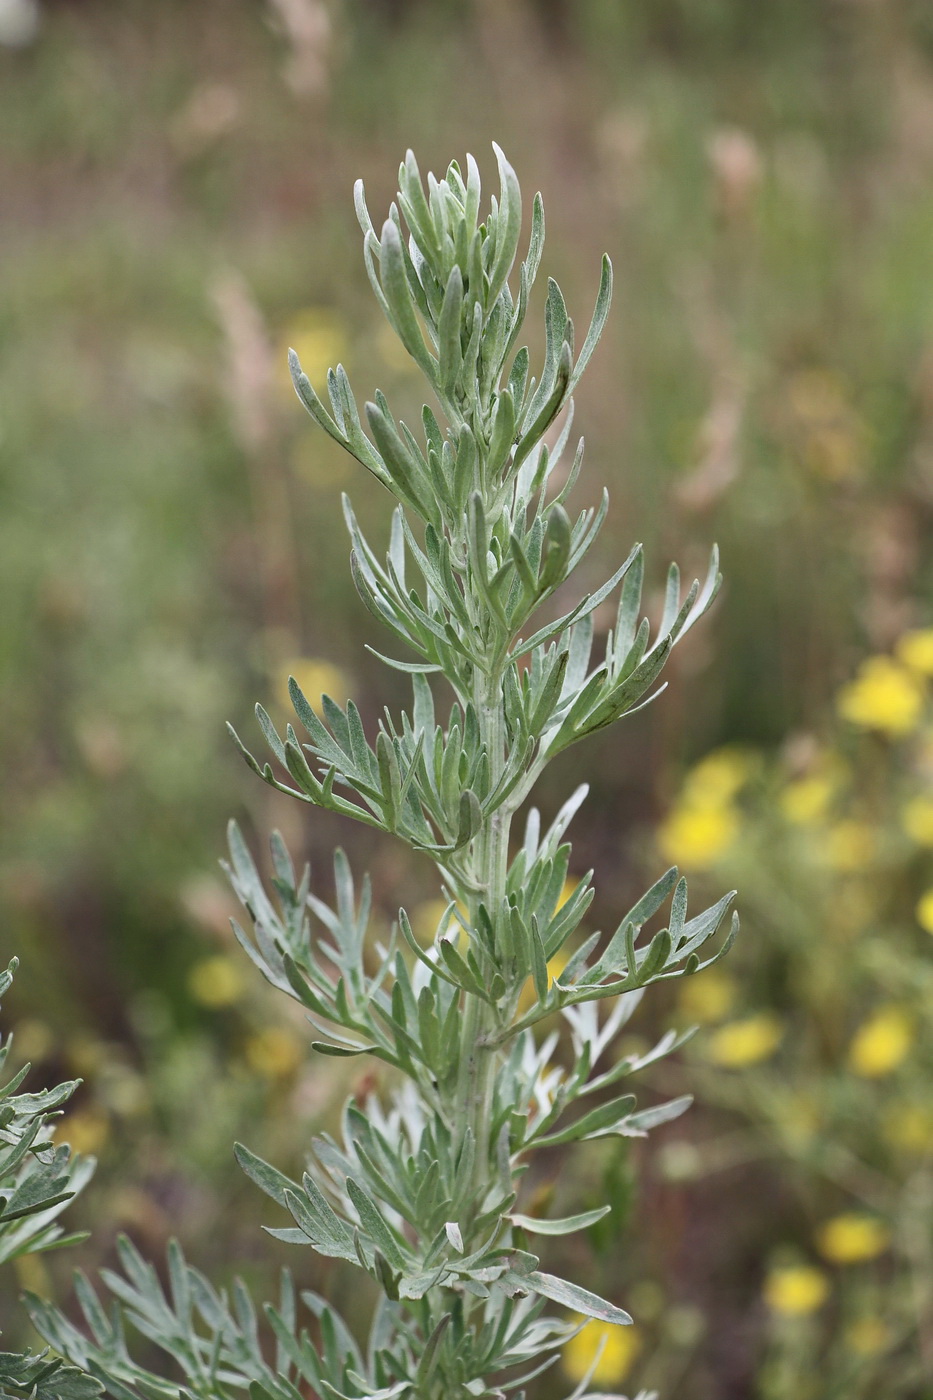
[37, 1180]
[421, 1190]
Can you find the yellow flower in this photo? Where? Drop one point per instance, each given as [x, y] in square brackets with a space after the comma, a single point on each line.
[426, 919]
[273, 1053]
[852, 1238]
[391, 349]
[745, 1042]
[620, 1347]
[909, 1127]
[708, 998]
[917, 820]
[316, 678]
[32, 1274]
[848, 845]
[216, 981]
[925, 911]
[793, 1290]
[319, 337]
[806, 800]
[868, 1336]
[569, 885]
[555, 967]
[915, 649]
[718, 777]
[696, 836]
[881, 1043]
[884, 695]
[85, 1130]
[833, 451]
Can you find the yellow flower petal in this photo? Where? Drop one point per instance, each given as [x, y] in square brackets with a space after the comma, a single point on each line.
[570, 884]
[216, 981]
[853, 1238]
[620, 1346]
[273, 1053]
[316, 678]
[708, 997]
[868, 1336]
[555, 967]
[917, 820]
[745, 1042]
[848, 845]
[884, 695]
[908, 1127]
[796, 1289]
[806, 800]
[925, 911]
[915, 649]
[695, 837]
[319, 337]
[717, 778]
[86, 1130]
[881, 1043]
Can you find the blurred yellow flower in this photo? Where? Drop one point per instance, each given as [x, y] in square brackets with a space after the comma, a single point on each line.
[832, 435]
[718, 777]
[805, 800]
[852, 1238]
[925, 911]
[569, 885]
[793, 1290]
[745, 1042]
[909, 1127]
[555, 967]
[881, 1043]
[695, 836]
[915, 649]
[834, 450]
[32, 1274]
[426, 919]
[848, 845]
[707, 998]
[273, 1053]
[917, 820]
[391, 349]
[318, 335]
[620, 1347]
[316, 678]
[85, 1130]
[216, 981]
[884, 695]
[868, 1336]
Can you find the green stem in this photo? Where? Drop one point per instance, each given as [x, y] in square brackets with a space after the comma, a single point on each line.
[473, 1108]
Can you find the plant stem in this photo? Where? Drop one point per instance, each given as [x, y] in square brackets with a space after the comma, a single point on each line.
[480, 1022]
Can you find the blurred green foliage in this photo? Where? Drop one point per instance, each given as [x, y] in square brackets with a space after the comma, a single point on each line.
[174, 211]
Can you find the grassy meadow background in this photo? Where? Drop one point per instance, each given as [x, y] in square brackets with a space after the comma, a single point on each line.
[175, 210]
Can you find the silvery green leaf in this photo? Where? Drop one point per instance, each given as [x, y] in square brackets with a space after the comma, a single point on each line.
[598, 323]
[570, 1295]
[566, 1225]
[398, 296]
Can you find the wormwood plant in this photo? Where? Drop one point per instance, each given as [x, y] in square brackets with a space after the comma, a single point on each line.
[421, 1189]
[37, 1180]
